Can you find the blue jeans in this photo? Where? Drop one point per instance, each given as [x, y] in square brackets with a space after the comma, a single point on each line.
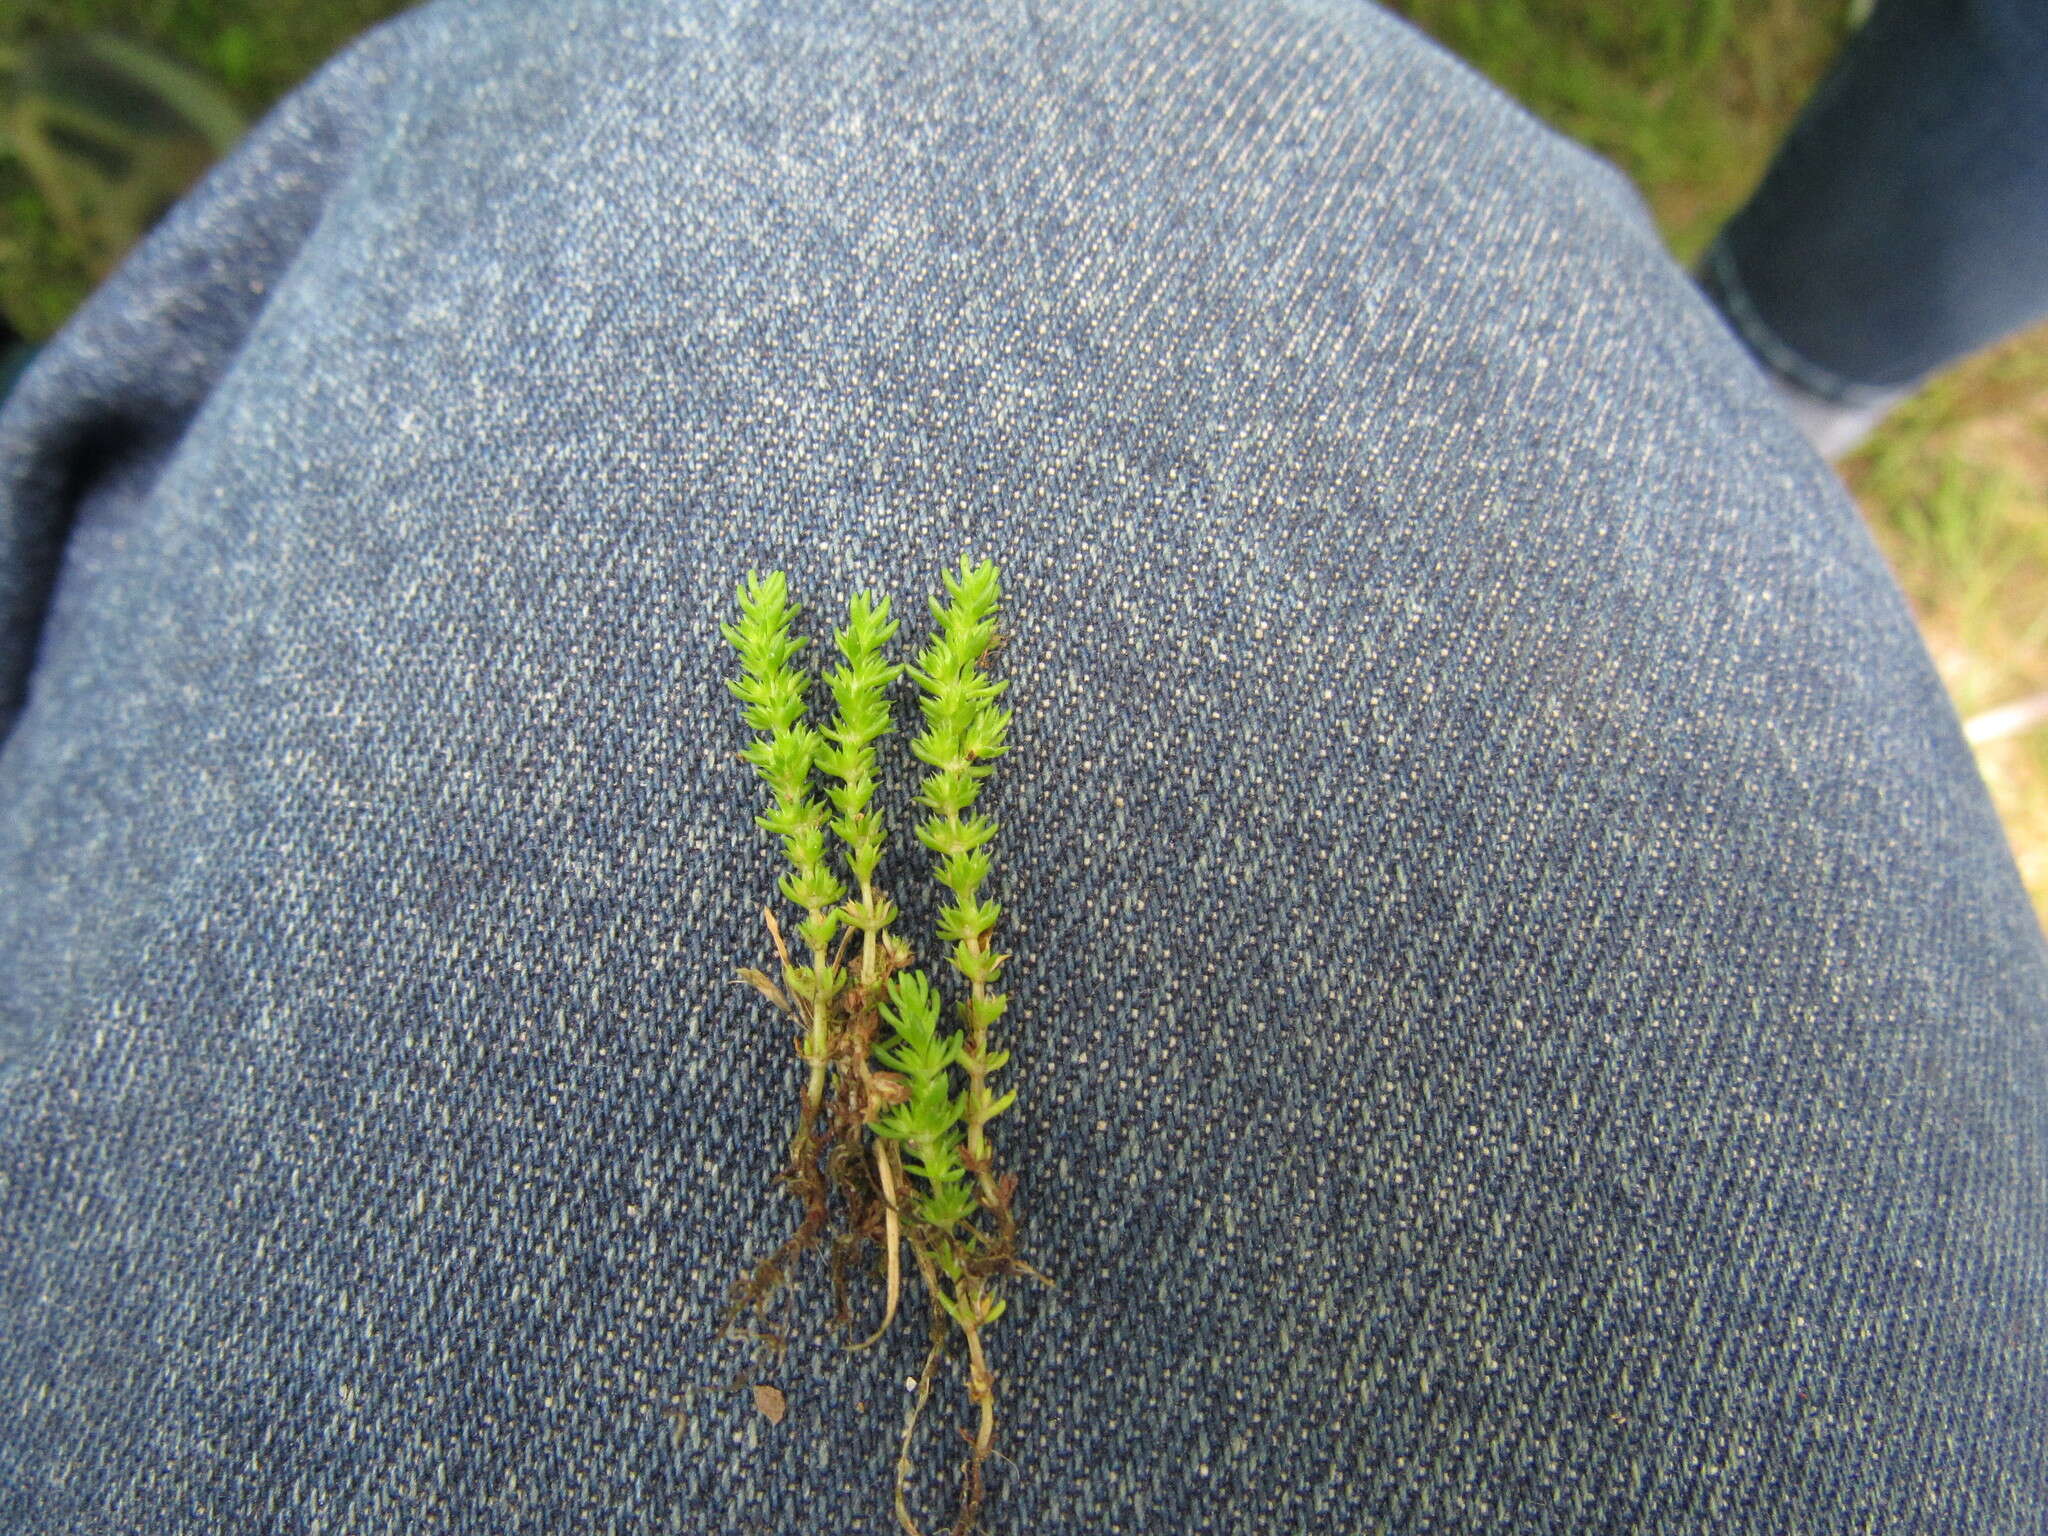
[1904, 221]
[1524, 1017]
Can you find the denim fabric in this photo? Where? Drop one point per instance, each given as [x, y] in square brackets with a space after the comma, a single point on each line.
[1524, 1018]
[14, 359]
[1904, 221]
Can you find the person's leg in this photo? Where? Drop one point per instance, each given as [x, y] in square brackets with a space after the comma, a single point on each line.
[1903, 223]
[1524, 1020]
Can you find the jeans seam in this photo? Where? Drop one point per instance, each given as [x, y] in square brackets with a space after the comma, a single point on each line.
[1725, 283]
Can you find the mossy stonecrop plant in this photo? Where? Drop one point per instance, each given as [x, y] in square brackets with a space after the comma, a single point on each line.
[947, 1134]
[838, 1017]
[892, 1103]
[776, 698]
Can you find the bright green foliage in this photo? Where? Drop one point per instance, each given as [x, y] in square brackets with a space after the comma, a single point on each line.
[928, 1123]
[964, 727]
[860, 688]
[776, 696]
[962, 1312]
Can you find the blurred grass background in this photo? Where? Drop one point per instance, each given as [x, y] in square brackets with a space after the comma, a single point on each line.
[254, 50]
[1688, 96]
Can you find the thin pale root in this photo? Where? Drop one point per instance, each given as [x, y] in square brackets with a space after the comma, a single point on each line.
[903, 1463]
[891, 1242]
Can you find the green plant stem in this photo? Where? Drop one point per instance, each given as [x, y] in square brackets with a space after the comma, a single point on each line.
[775, 695]
[963, 729]
[860, 687]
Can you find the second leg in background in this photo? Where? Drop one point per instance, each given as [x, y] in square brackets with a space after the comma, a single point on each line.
[1903, 224]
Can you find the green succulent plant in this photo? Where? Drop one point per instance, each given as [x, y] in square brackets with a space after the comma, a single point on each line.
[895, 1124]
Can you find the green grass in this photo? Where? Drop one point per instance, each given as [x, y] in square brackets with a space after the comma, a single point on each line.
[1688, 96]
[254, 51]
[1956, 489]
[258, 51]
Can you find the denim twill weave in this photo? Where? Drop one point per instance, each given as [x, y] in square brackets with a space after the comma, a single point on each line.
[1524, 1019]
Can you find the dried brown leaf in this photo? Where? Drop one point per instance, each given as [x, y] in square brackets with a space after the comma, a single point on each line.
[759, 981]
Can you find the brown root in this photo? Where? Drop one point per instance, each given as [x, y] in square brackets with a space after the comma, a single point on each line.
[970, 1497]
[981, 1390]
[758, 1287]
[904, 1465]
